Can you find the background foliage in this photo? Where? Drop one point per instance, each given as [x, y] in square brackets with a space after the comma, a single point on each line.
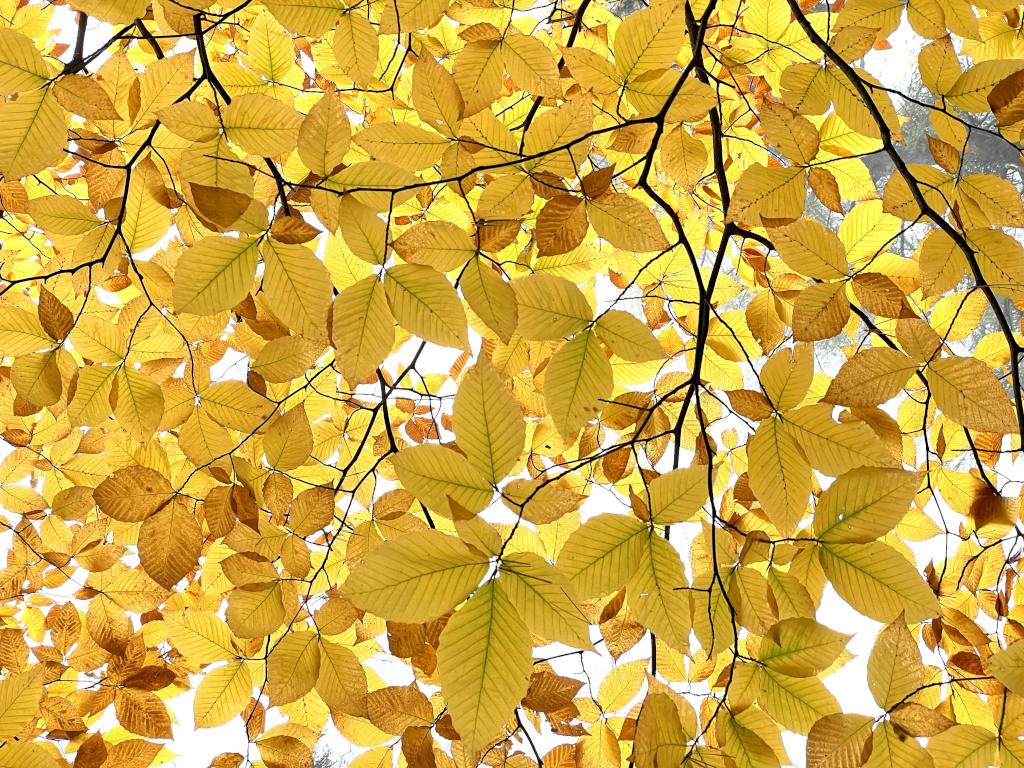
[381, 363]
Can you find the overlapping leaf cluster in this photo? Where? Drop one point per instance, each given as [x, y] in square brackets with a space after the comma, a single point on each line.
[402, 363]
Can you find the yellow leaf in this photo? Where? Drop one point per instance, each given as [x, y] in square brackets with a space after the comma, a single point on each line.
[864, 504]
[484, 663]
[324, 135]
[200, 637]
[22, 67]
[892, 749]
[838, 739]
[82, 95]
[797, 703]
[550, 307]
[628, 337]
[35, 134]
[62, 215]
[478, 72]
[811, 249]
[852, 110]
[577, 379]
[649, 40]
[143, 713]
[289, 440]
[621, 685]
[872, 376]
[285, 358]
[835, 448]
[424, 303]
[593, 71]
[805, 88]
[491, 298]
[898, 200]
[601, 555]
[284, 751]
[1001, 259]
[416, 577]
[355, 46]
[561, 225]
[26, 754]
[20, 332]
[488, 424]
[235, 406]
[939, 66]
[203, 440]
[820, 311]
[114, 11]
[780, 474]
[878, 581]
[108, 625]
[311, 510]
[364, 231]
[751, 749]
[270, 49]
[793, 134]
[1007, 666]
[138, 403]
[402, 144]
[161, 84]
[438, 244]
[298, 285]
[626, 223]
[659, 738]
[37, 378]
[222, 695]
[215, 274]
[543, 597]
[293, 667]
[98, 340]
[895, 670]
[678, 495]
[988, 201]
[436, 96]
[411, 15]
[968, 392]
[599, 748]
[801, 647]
[255, 610]
[1004, 99]
[657, 593]
[768, 196]
[787, 375]
[341, 681]
[19, 700]
[190, 120]
[145, 219]
[443, 479]
[262, 125]
[963, 746]
[530, 65]
[684, 156]
[971, 89]
[363, 330]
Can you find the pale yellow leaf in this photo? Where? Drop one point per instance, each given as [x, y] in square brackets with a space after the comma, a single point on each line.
[222, 695]
[416, 577]
[484, 664]
[576, 381]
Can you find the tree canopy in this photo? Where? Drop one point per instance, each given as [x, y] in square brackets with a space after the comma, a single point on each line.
[394, 363]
